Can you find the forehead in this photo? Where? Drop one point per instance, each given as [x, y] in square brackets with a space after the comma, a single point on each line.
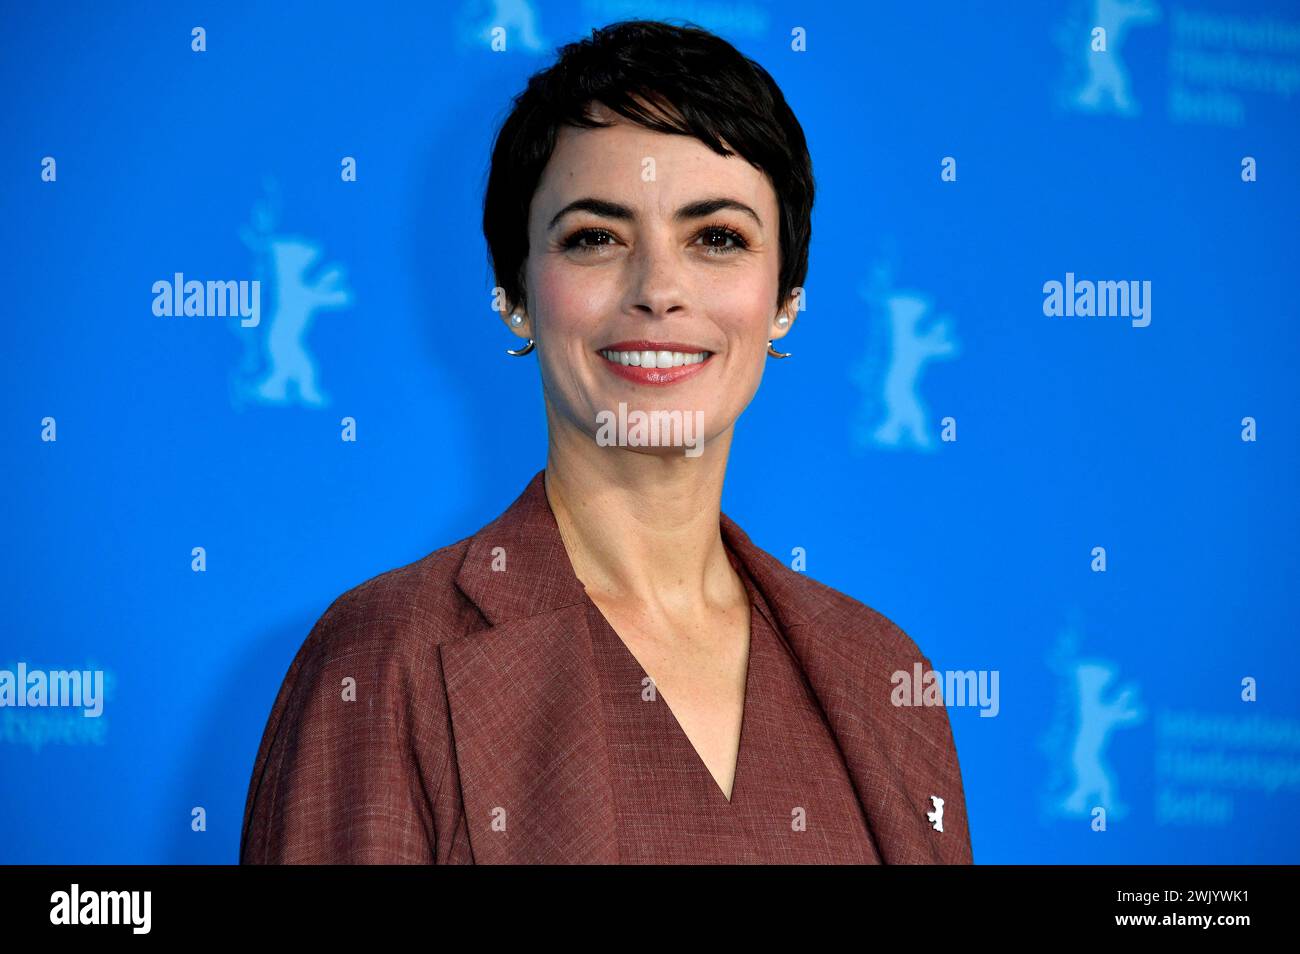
[612, 162]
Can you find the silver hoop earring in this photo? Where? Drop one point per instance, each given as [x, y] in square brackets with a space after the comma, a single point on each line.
[776, 354]
[516, 320]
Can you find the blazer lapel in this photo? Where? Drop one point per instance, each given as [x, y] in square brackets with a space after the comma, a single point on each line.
[525, 701]
[528, 728]
[897, 757]
[525, 713]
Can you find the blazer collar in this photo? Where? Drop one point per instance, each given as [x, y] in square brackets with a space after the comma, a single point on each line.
[528, 728]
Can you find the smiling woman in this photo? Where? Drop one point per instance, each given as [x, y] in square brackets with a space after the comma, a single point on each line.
[611, 671]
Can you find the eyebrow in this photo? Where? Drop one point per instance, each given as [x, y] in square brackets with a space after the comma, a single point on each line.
[614, 210]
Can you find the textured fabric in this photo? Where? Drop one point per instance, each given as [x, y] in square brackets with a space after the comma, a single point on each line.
[791, 800]
[450, 711]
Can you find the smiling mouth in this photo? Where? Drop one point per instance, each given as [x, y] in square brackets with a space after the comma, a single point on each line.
[654, 359]
[654, 362]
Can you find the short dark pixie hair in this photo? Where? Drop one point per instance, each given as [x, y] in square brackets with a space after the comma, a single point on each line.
[712, 92]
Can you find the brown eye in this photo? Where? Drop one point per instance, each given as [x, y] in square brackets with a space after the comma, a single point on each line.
[579, 239]
[719, 239]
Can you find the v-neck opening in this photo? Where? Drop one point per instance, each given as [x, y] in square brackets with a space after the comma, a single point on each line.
[680, 732]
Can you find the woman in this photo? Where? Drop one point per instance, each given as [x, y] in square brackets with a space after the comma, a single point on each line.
[611, 671]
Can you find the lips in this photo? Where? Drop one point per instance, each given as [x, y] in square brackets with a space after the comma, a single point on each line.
[654, 362]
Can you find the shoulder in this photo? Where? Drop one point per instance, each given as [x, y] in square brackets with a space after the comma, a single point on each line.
[357, 743]
[867, 623]
[851, 624]
[383, 634]
[416, 605]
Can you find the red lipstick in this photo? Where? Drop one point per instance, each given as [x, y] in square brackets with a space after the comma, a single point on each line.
[655, 376]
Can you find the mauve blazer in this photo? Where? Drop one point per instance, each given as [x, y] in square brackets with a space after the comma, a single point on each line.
[442, 701]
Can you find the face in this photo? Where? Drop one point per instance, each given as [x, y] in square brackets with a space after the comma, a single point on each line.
[651, 277]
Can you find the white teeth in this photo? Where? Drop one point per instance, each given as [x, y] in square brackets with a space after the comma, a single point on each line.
[655, 359]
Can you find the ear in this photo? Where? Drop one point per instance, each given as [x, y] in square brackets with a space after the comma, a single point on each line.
[789, 311]
[524, 329]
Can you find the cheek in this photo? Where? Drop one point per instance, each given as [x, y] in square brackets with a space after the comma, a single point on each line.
[570, 300]
[740, 306]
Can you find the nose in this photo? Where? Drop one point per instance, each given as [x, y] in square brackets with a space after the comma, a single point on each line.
[656, 285]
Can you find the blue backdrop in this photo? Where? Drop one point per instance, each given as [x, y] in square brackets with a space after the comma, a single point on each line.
[1101, 510]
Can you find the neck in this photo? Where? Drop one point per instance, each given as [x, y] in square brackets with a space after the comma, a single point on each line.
[640, 527]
